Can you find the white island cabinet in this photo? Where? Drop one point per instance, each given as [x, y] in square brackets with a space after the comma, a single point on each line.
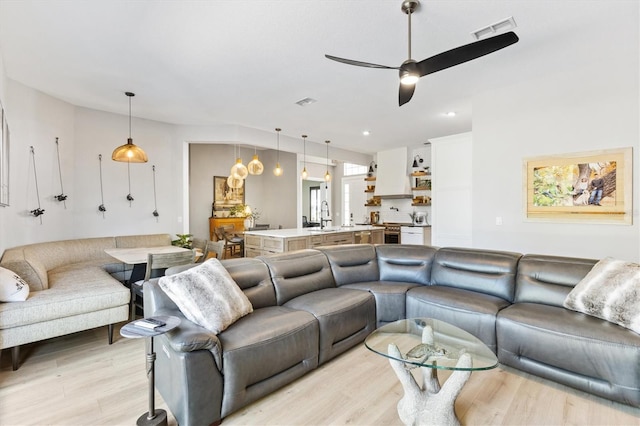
[260, 243]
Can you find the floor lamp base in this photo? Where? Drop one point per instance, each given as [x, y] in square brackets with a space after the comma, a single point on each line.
[160, 419]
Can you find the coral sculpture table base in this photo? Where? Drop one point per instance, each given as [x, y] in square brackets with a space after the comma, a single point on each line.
[429, 404]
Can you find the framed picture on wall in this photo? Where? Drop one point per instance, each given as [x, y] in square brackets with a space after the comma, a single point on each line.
[225, 197]
[579, 187]
[4, 159]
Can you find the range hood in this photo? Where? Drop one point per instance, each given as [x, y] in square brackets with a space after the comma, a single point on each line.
[392, 180]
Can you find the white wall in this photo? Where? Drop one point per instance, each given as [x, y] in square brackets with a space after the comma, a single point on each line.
[545, 117]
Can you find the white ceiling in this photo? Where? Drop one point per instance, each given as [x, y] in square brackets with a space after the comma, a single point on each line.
[248, 62]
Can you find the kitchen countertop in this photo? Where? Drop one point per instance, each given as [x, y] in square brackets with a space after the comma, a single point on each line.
[305, 232]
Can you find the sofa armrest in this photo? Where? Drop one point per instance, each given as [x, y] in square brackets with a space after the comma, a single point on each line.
[190, 337]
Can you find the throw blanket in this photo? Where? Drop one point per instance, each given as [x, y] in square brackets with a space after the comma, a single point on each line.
[610, 291]
[207, 295]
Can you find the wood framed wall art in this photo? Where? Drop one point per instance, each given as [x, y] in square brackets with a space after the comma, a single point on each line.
[225, 197]
[593, 186]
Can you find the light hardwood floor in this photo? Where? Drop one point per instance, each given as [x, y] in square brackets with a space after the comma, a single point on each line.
[80, 380]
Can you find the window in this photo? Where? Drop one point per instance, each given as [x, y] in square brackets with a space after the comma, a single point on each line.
[351, 169]
[346, 202]
[314, 204]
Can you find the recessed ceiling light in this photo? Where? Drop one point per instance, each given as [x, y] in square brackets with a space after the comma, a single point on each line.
[450, 114]
[306, 101]
[366, 133]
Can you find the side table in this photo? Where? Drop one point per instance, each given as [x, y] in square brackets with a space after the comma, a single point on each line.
[131, 330]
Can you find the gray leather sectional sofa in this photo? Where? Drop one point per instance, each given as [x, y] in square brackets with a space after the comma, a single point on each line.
[312, 305]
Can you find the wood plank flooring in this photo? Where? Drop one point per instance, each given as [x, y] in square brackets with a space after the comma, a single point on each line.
[80, 380]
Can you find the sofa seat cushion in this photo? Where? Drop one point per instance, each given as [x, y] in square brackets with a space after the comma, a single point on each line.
[571, 348]
[469, 310]
[264, 351]
[72, 292]
[345, 316]
[390, 298]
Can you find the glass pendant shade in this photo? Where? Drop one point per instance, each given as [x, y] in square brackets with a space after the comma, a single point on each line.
[278, 170]
[234, 182]
[129, 153]
[304, 173]
[327, 176]
[239, 170]
[255, 166]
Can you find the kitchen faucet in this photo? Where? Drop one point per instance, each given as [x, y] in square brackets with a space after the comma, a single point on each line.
[324, 221]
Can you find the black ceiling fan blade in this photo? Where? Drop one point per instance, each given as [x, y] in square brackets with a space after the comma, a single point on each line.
[466, 53]
[406, 93]
[359, 63]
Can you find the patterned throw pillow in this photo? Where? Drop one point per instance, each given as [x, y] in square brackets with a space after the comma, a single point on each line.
[12, 287]
[610, 291]
[207, 295]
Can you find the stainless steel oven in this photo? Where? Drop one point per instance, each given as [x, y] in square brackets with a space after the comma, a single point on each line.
[391, 233]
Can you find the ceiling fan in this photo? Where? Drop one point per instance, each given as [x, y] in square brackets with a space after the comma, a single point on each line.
[411, 70]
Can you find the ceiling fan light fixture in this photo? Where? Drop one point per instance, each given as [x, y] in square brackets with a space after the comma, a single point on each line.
[408, 79]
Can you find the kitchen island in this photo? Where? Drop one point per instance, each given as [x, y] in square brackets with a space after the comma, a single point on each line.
[259, 243]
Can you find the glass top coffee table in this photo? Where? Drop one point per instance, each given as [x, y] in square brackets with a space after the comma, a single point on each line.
[430, 344]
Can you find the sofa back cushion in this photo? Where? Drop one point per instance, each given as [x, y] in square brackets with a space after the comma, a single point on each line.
[549, 279]
[483, 271]
[405, 263]
[150, 240]
[352, 263]
[32, 262]
[252, 276]
[298, 272]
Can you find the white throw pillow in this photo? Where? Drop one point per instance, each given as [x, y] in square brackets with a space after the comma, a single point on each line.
[610, 291]
[12, 287]
[207, 295]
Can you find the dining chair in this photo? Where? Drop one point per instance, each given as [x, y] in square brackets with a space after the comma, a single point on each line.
[233, 243]
[157, 263]
[214, 249]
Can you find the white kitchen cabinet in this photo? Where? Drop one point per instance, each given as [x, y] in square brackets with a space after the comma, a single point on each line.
[416, 235]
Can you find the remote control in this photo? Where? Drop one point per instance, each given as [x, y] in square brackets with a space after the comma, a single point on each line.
[155, 322]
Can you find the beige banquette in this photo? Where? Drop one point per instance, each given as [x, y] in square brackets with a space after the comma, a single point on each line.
[74, 285]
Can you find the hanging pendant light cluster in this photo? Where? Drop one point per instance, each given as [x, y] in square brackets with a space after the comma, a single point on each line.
[129, 153]
[304, 173]
[327, 175]
[278, 170]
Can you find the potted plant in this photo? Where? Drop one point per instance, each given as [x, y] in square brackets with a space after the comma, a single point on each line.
[184, 241]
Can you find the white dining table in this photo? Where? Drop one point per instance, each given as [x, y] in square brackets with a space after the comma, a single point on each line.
[138, 256]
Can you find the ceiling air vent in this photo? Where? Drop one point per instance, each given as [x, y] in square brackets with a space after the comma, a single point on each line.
[306, 101]
[505, 25]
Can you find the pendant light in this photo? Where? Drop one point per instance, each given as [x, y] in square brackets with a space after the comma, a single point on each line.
[234, 183]
[327, 175]
[129, 152]
[304, 174]
[278, 170]
[255, 166]
[239, 170]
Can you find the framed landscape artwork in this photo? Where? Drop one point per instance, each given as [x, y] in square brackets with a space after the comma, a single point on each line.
[225, 197]
[579, 187]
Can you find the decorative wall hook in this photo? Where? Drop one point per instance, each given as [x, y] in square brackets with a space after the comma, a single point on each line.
[39, 211]
[155, 199]
[129, 196]
[60, 197]
[101, 207]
